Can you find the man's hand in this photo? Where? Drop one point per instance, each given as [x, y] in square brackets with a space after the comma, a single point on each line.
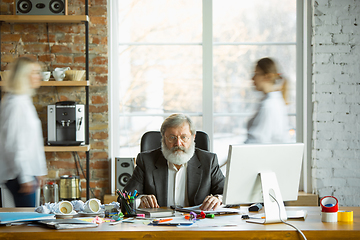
[28, 187]
[210, 203]
[148, 201]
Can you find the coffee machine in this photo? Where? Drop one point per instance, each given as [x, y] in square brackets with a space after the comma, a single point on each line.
[66, 124]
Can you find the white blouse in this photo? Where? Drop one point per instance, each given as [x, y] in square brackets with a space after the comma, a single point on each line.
[21, 140]
[271, 123]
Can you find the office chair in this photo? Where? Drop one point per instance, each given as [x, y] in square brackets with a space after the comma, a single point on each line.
[152, 140]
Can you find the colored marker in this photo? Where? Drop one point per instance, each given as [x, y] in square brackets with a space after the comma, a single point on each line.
[163, 220]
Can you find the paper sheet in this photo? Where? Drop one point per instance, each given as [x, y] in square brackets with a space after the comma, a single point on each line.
[219, 210]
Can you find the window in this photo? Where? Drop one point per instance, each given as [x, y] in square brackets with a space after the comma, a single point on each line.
[164, 49]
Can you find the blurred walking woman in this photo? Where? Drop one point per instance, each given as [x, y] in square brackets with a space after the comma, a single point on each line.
[270, 123]
[22, 157]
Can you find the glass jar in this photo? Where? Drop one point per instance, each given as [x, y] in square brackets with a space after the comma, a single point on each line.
[51, 192]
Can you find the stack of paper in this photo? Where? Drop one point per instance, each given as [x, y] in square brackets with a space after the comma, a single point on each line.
[11, 217]
[67, 223]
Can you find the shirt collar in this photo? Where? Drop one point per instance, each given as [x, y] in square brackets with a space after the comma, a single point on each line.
[172, 166]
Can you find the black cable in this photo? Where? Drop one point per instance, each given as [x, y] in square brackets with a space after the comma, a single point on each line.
[82, 170]
[77, 158]
[57, 94]
[76, 164]
[297, 229]
[51, 65]
[48, 40]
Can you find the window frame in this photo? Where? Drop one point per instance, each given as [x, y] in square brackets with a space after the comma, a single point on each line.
[303, 83]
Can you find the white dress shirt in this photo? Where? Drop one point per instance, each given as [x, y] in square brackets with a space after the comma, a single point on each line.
[21, 140]
[271, 123]
[177, 194]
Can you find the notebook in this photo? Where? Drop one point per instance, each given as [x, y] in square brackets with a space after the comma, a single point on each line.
[155, 212]
[11, 217]
[67, 223]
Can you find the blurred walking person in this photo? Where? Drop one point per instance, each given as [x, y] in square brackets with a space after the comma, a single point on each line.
[271, 123]
[22, 157]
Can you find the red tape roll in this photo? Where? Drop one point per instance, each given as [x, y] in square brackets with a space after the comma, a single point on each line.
[329, 204]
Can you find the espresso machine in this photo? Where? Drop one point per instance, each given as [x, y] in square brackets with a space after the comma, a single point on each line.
[66, 124]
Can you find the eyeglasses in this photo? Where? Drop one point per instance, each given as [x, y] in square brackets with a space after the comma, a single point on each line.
[174, 139]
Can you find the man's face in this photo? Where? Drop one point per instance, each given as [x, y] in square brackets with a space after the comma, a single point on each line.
[178, 137]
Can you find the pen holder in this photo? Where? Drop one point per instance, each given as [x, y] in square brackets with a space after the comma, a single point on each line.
[127, 206]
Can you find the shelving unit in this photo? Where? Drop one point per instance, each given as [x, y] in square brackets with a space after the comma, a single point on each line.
[62, 19]
[84, 148]
[61, 84]
[44, 18]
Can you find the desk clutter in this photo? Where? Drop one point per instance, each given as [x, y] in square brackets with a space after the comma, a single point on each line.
[65, 73]
[67, 209]
[330, 211]
[78, 214]
[127, 202]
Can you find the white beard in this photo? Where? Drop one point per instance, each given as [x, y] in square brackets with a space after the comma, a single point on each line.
[178, 157]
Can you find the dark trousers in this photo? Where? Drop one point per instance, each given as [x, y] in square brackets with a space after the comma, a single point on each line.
[20, 199]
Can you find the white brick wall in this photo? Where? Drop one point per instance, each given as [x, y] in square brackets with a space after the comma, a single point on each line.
[336, 99]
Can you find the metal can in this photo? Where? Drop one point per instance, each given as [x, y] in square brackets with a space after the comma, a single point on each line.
[70, 188]
[51, 192]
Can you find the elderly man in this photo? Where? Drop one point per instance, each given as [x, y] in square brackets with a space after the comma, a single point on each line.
[177, 173]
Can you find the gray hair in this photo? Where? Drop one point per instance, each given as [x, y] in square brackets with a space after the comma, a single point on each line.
[175, 120]
[18, 80]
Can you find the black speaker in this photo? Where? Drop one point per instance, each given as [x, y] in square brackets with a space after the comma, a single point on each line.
[124, 168]
[40, 7]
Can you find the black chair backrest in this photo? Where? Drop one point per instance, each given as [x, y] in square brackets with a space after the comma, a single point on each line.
[152, 140]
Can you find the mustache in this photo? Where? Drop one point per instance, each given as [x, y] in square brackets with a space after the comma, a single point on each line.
[173, 149]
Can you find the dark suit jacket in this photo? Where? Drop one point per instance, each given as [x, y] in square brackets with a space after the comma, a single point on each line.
[204, 176]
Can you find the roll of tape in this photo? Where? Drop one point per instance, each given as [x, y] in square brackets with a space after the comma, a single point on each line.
[345, 216]
[329, 204]
[329, 216]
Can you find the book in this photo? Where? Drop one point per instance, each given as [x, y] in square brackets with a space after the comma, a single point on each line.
[11, 217]
[67, 223]
[300, 214]
[155, 212]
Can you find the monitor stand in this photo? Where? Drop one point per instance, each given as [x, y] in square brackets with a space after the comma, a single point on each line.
[270, 185]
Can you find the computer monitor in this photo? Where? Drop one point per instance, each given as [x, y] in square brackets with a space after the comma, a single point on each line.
[254, 171]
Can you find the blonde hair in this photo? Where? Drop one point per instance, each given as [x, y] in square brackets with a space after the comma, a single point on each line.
[268, 65]
[18, 79]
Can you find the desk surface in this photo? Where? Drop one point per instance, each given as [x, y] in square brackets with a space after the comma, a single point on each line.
[312, 227]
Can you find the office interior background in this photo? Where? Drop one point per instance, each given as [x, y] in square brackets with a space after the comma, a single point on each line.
[149, 59]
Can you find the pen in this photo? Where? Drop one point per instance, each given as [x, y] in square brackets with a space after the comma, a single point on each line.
[248, 217]
[135, 215]
[163, 220]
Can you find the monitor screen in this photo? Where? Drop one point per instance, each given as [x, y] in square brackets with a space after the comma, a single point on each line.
[245, 162]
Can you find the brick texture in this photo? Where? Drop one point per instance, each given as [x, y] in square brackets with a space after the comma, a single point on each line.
[336, 88]
[62, 45]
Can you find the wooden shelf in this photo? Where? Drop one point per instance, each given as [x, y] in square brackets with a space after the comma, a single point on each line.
[61, 83]
[83, 148]
[65, 83]
[44, 18]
